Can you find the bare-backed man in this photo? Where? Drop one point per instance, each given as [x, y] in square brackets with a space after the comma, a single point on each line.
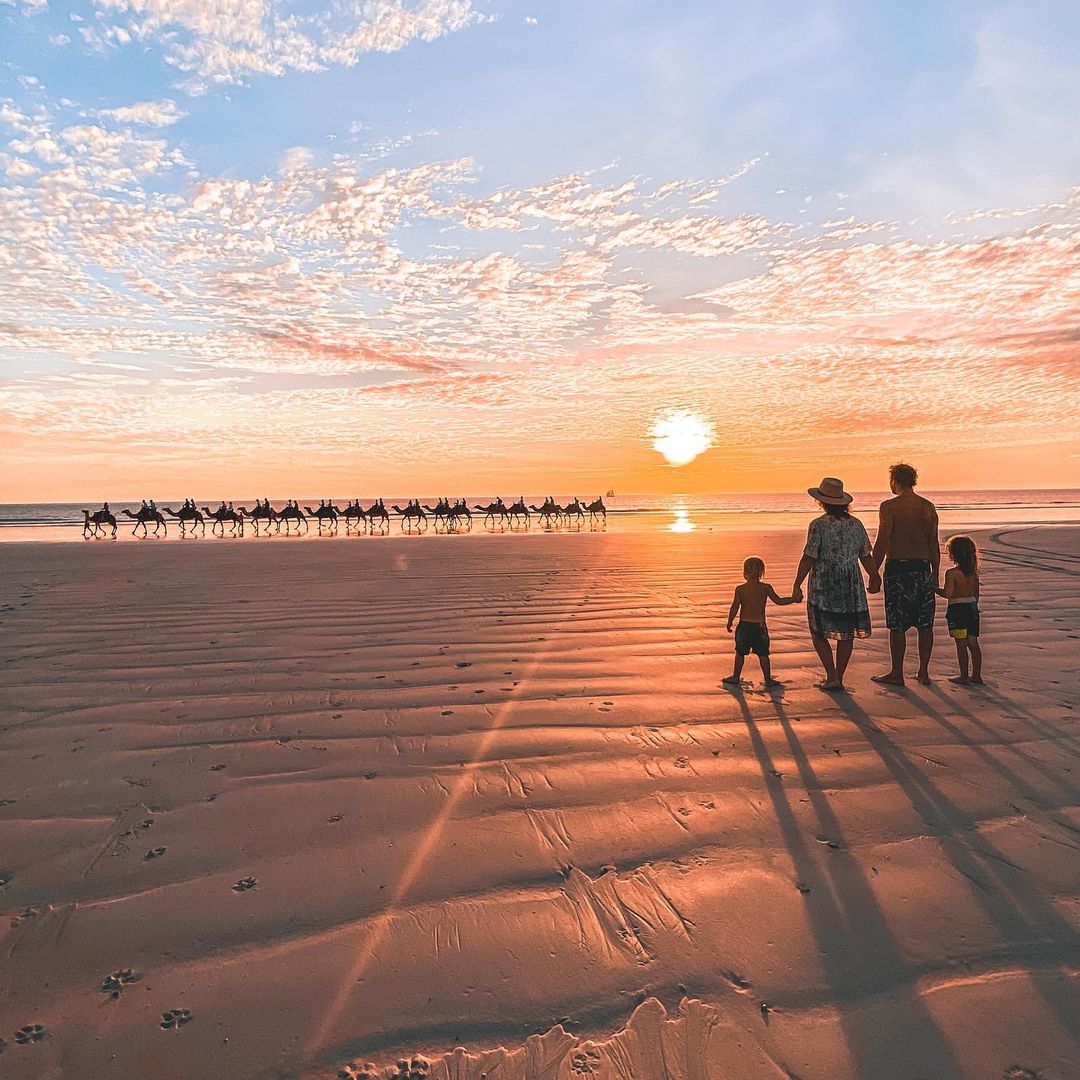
[907, 543]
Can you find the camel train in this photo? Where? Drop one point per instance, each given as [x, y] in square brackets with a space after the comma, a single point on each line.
[415, 516]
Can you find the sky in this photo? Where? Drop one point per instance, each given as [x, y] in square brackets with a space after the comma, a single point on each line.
[254, 247]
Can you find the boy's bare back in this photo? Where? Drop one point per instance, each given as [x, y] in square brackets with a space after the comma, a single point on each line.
[752, 597]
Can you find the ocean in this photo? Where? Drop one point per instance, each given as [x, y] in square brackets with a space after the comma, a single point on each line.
[675, 513]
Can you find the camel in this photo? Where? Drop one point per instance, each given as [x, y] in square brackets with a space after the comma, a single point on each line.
[519, 510]
[144, 515]
[549, 512]
[493, 511]
[574, 510]
[326, 512]
[354, 511]
[413, 511]
[597, 509]
[459, 512]
[441, 512]
[220, 516]
[94, 524]
[262, 512]
[376, 512]
[189, 518]
[289, 515]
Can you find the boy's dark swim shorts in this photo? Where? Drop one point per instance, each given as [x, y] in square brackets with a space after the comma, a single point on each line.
[752, 637]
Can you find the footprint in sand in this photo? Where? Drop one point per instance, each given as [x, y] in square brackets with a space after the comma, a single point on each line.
[5, 878]
[114, 984]
[352, 1071]
[335, 817]
[154, 853]
[244, 884]
[31, 1033]
[417, 1068]
[586, 1061]
[218, 767]
[447, 712]
[833, 845]
[175, 1019]
[463, 663]
[6, 802]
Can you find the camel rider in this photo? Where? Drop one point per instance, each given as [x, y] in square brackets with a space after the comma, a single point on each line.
[221, 508]
[144, 505]
[105, 508]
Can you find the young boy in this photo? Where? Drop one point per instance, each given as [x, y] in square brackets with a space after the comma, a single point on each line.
[752, 635]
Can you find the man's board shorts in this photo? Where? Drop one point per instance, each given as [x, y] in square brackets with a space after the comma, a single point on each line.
[752, 637]
[909, 594]
[963, 620]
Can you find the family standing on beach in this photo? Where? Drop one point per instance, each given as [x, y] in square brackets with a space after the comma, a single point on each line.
[837, 610]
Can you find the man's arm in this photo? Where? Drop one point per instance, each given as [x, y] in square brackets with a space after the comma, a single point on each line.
[736, 603]
[884, 535]
[935, 547]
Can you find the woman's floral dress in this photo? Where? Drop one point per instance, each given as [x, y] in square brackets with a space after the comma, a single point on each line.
[836, 602]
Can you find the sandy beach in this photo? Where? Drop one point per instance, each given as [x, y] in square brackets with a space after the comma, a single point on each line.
[482, 799]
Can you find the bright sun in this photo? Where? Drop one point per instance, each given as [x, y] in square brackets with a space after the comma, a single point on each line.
[680, 436]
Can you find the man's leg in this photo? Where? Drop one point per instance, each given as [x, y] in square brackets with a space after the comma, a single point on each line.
[897, 649]
[926, 647]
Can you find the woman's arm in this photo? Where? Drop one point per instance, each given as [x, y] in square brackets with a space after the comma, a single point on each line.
[869, 562]
[806, 564]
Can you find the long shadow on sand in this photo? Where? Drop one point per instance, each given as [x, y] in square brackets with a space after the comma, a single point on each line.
[847, 921]
[1021, 914]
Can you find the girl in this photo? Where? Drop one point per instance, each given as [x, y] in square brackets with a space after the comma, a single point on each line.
[962, 591]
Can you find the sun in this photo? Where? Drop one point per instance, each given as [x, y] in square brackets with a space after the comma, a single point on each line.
[680, 436]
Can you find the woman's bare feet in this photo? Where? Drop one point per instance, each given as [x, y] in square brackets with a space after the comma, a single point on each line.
[832, 686]
[923, 678]
[960, 680]
[772, 684]
[977, 680]
[732, 681]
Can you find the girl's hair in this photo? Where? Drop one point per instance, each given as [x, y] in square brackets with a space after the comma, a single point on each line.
[964, 553]
[836, 511]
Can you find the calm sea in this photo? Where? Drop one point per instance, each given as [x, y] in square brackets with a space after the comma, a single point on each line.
[677, 513]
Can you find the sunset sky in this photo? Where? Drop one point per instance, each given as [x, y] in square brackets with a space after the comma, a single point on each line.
[256, 247]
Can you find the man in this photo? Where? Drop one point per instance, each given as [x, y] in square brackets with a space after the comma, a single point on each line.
[907, 542]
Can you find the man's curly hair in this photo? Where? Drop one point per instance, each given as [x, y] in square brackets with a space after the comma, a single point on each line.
[905, 475]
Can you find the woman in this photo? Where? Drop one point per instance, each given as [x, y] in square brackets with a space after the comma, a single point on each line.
[836, 607]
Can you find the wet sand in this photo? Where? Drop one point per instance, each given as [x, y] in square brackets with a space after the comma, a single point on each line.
[349, 802]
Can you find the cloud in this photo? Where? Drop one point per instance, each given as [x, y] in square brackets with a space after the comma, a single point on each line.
[225, 43]
[146, 113]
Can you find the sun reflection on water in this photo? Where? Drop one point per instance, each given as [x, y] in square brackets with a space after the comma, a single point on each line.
[682, 522]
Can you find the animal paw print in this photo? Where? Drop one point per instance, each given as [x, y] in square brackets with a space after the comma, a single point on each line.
[113, 984]
[175, 1019]
[244, 884]
[154, 853]
[31, 1033]
[585, 1061]
[352, 1071]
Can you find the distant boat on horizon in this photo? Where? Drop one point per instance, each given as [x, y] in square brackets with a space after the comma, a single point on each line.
[610, 494]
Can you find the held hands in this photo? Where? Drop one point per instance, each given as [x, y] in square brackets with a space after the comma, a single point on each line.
[874, 585]
[797, 594]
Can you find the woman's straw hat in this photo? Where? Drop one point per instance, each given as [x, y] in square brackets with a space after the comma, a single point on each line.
[830, 491]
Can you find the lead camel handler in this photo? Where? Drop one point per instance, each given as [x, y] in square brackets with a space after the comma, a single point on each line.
[907, 543]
